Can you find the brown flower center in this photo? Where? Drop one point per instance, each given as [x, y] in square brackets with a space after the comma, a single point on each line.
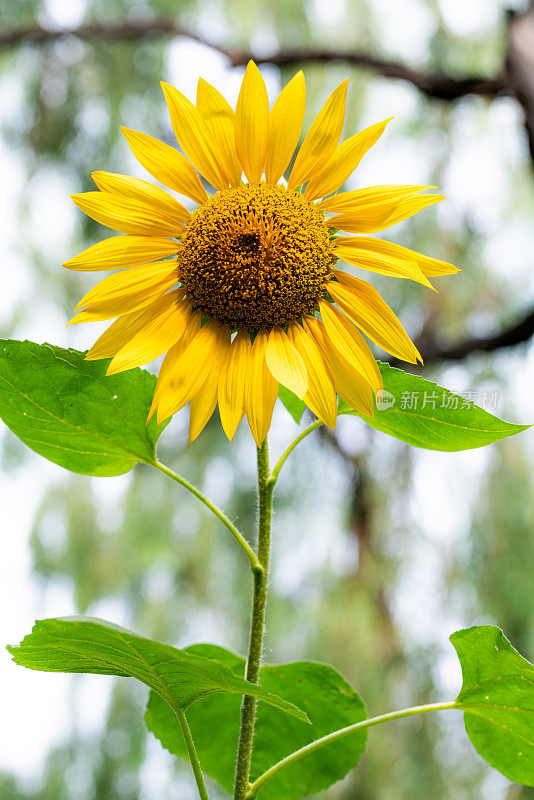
[256, 256]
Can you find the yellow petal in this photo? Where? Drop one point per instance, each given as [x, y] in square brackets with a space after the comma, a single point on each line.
[261, 390]
[163, 388]
[376, 250]
[126, 327]
[252, 123]
[191, 370]
[344, 161]
[126, 186]
[322, 138]
[381, 215]
[285, 125]
[166, 164]
[127, 214]
[166, 325]
[369, 196]
[193, 135]
[232, 382]
[365, 307]
[118, 252]
[342, 336]
[285, 362]
[351, 386]
[202, 406]
[126, 291]
[204, 402]
[219, 117]
[321, 394]
[350, 383]
[376, 255]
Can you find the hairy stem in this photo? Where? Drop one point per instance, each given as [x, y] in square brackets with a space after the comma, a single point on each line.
[193, 757]
[248, 707]
[238, 536]
[333, 737]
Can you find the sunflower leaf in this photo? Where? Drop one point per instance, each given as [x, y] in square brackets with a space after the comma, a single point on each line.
[293, 404]
[67, 410]
[497, 699]
[426, 415]
[330, 702]
[180, 677]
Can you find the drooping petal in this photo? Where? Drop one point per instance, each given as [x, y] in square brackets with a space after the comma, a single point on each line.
[204, 402]
[193, 135]
[202, 406]
[166, 164]
[343, 336]
[191, 370]
[219, 117]
[285, 362]
[167, 324]
[261, 390]
[126, 291]
[285, 124]
[322, 138]
[360, 198]
[382, 215]
[321, 394]
[344, 161]
[145, 192]
[163, 387]
[252, 123]
[379, 249]
[375, 255]
[365, 307]
[127, 214]
[232, 381]
[127, 326]
[351, 385]
[119, 252]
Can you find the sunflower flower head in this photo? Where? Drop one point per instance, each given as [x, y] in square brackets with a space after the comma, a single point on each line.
[242, 293]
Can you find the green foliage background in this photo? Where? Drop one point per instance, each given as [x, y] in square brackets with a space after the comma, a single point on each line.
[163, 563]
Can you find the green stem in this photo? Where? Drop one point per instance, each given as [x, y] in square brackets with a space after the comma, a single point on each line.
[333, 737]
[193, 757]
[248, 707]
[287, 452]
[238, 536]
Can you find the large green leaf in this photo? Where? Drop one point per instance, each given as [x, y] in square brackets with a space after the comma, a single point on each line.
[423, 414]
[497, 698]
[67, 410]
[329, 701]
[180, 677]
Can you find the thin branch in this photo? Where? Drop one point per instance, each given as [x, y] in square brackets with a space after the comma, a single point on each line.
[438, 85]
[434, 84]
[518, 333]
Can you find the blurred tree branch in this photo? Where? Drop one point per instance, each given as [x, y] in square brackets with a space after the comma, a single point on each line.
[434, 84]
[520, 331]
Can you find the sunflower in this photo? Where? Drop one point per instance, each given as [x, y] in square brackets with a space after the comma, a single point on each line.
[242, 293]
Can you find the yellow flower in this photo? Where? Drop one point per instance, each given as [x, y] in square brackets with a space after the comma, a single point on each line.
[242, 293]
